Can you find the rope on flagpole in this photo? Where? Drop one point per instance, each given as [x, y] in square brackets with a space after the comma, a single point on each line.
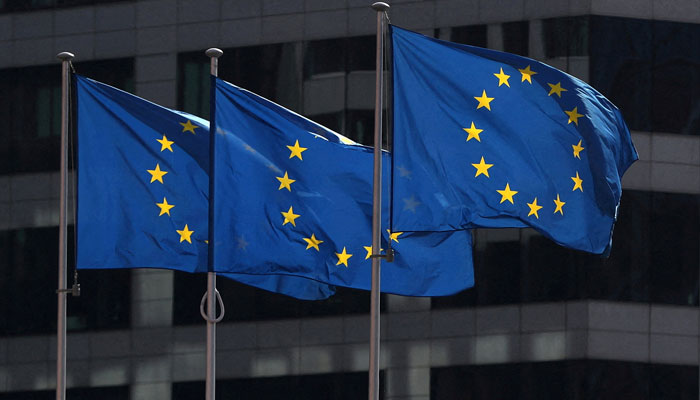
[205, 314]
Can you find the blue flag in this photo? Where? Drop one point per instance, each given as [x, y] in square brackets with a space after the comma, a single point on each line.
[491, 139]
[292, 197]
[143, 184]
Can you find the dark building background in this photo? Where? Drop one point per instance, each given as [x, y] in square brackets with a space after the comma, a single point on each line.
[542, 322]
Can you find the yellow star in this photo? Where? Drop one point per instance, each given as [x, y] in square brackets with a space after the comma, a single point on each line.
[473, 133]
[502, 78]
[289, 216]
[285, 182]
[164, 207]
[343, 257]
[165, 144]
[559, 204]
[296, 150]
[507, 194]
[394, 236]
[577, 182]
[312, 242]
[185, 234]
[484, 101]
[156, 174]
[556, 89]
[577, 149]
[534, 207]
[188, 126]
[527, 74]
[573, 115]
[482, 168]
[368, 249]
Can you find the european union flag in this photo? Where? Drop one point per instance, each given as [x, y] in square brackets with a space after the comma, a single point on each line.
[297, 200]
[490, 139]
[143, 189]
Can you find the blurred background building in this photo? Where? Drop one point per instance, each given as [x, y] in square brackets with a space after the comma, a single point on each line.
[542, 322]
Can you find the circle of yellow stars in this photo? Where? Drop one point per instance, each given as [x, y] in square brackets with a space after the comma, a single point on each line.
[482, 167]
[296, 152]
[158, 174]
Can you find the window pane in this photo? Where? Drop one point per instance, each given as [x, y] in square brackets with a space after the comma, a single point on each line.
[31, 107]
[29, 282]
[102, 393]
[567, 36]
[675, 248]
[516, 37]
[474, 35]
[574, 379]
[28, 260]
[359, 126]
[675, 88]
[673, 382]
[193, 90]
[259, 304]
[497, 271]
[318, 59]
[550, 272]
[651, 71]
[339, 386]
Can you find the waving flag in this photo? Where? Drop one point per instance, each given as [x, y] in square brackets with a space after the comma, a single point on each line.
[143, 189]
[292, 197]
[490, 139]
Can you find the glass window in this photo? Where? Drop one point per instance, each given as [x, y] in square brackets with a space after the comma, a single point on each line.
[675, 86]
[550, 271]
[567, 36]
[654, 258]
[620, 66]
[24, 5]
[259, 304]
[313, 81]
[613, 380]
[318, 60]
[194, 84]
[339, 386]
[339, 55]
[524, 381]
[28, 259]
[516, 37]
[577, 379]
[650, 70]
[625, 274]
[270, 71]
[673, 382]
[31, 108]
[474, 35]
[102, 393]
[334, 84]
[675, 248]
[359, 125]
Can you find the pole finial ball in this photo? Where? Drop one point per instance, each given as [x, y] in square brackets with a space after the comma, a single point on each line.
[65, 56]
[380, 6]
[214, 52]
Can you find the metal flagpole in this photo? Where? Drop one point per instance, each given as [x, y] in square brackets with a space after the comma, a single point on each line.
[212, 295]
[376, 209]
[62, 291]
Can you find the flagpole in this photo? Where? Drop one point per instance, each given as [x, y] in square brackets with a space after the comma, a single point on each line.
[374, 339]
[212, 294]
[62, 291]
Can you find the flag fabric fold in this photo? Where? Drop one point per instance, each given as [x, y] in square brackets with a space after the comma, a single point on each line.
[292, 197]
[490, 139]
[143, 189]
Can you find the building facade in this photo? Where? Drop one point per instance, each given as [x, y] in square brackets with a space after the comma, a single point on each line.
[541, 322]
